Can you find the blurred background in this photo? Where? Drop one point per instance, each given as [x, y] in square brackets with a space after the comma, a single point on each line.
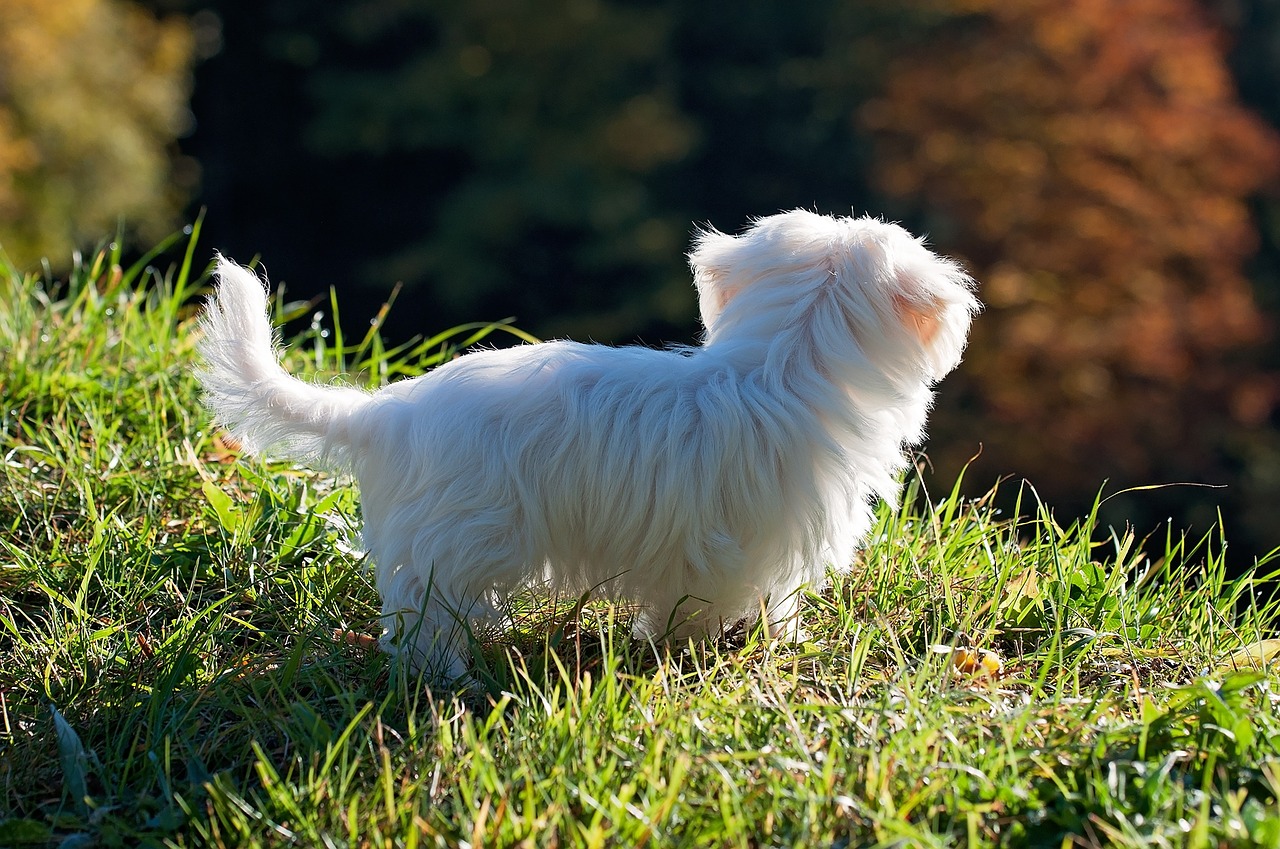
[1108, 169]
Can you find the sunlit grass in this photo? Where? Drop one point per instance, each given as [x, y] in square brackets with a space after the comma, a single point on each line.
[183, 652]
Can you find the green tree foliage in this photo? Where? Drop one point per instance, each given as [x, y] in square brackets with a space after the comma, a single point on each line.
[552, 117]
[92, 95]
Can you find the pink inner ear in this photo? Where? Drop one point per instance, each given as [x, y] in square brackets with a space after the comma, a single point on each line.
[724, 296]
[920, 319]
[720, 297]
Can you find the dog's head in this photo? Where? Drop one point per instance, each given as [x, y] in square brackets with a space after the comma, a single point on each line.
[903, 305]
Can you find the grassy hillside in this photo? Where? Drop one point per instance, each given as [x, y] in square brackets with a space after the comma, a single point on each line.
[184, 653]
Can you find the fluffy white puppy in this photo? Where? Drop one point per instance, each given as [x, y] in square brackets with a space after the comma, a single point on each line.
[704, 484]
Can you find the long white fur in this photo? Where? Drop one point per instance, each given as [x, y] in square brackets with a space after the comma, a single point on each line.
[700, 484]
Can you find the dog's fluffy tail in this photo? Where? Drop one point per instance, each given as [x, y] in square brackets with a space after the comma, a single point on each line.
[251, 395]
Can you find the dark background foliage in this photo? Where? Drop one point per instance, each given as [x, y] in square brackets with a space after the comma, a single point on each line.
[1107, 169]
[545, 160]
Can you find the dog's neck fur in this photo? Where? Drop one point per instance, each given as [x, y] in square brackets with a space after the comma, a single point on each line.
[857, 417]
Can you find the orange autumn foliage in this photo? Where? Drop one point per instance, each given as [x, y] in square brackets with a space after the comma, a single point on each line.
[1094, 165]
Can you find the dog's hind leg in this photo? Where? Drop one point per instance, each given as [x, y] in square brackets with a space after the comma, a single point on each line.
[443, 596]
[424, 624]
[783, 615]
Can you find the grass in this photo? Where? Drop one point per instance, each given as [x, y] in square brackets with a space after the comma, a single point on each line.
[180, 662]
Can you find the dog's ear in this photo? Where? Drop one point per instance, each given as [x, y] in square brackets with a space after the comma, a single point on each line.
[710, 262]
[710, 256]
[934, 303]
[922, 318]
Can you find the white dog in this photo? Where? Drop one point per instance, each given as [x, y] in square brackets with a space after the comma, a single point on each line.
[705, 485]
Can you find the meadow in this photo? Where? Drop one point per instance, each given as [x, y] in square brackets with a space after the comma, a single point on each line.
[186, 658]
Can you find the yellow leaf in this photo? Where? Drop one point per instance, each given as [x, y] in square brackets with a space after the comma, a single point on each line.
[1259, 655]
